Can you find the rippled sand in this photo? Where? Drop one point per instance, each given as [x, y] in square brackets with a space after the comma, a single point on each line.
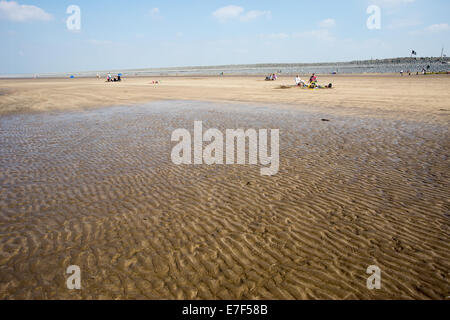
[97, 189]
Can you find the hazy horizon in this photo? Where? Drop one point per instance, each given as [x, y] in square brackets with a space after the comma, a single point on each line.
[235, 64]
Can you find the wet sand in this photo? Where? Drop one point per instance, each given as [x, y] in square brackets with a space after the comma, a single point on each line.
[96, 188]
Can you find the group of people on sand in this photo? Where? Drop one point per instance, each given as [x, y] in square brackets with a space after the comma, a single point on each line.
[110, 78]
[311, 84]
[272, 77]
[424, 71]
[301, 83]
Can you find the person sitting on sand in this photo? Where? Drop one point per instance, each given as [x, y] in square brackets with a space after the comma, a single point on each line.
[313, 81]
[274, 77]
[299, 82]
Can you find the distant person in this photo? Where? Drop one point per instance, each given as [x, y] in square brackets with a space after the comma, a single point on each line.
[274, 77]
[313, 81]
[299, 82]
[401, 73]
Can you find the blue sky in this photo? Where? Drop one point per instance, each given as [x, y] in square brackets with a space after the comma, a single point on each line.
[124, 34]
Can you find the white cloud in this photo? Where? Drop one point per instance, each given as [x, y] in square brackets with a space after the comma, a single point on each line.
[322, 34]
[155, 13]
[13, 11]
[255, 14]
[438, 27]
[228, 13]
[435, 28]
[327, 23]
[237, 13]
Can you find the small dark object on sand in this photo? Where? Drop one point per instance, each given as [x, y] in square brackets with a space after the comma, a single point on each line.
[326, 120]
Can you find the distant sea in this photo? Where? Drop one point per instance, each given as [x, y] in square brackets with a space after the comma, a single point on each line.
[394, 65]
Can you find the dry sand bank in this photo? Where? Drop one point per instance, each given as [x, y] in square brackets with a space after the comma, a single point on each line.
[370, 95]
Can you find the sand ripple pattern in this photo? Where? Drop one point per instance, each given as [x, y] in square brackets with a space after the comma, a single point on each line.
[97, 189]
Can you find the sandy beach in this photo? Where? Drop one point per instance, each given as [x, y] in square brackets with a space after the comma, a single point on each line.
[86, 179]
[372, 95]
